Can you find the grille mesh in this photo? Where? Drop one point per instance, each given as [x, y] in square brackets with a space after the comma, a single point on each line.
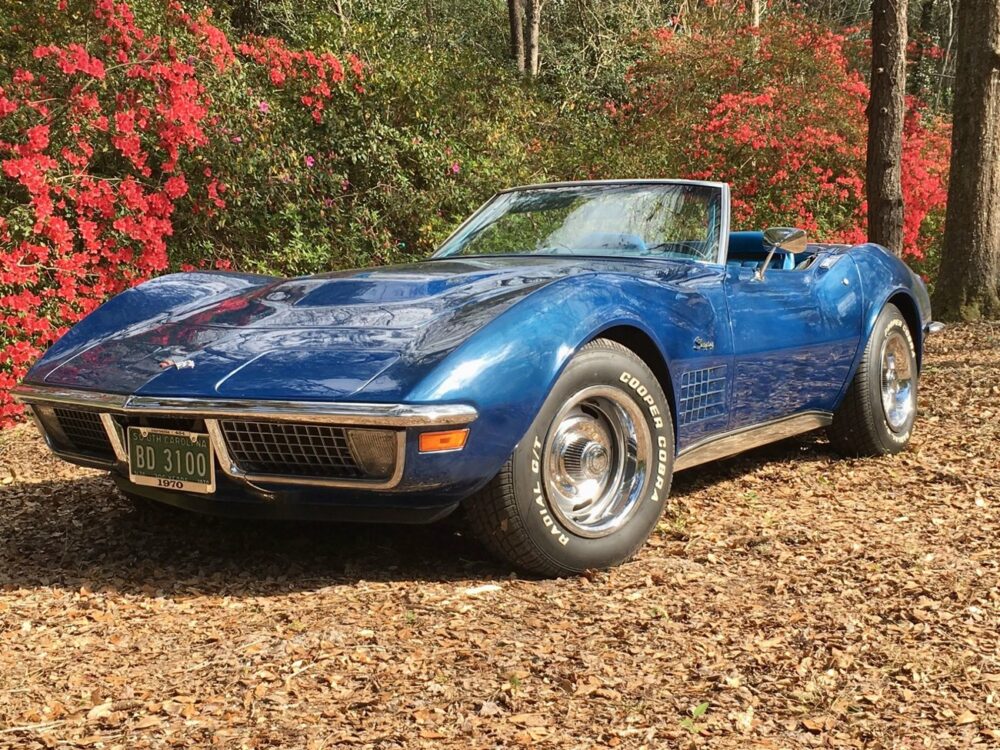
[289, 449]
[84, 431]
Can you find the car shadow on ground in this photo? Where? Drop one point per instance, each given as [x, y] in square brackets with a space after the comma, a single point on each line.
[82, 532]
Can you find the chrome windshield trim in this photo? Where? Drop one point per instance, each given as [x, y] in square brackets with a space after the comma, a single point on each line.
[323, 412]
[724, 222]
[623, 182]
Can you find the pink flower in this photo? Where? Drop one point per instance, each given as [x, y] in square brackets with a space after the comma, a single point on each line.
[455, 168]
[310, 161]
[236, 139]
[264, 107]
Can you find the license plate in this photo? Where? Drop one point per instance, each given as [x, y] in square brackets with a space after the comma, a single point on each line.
[171, 459]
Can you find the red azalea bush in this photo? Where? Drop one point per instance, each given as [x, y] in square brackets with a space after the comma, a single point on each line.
[779, 112]
[104, 148]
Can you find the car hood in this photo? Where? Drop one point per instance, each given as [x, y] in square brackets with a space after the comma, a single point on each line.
[327, 337]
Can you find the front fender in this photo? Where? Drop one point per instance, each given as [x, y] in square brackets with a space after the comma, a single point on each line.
[508, 368]
[884, 277]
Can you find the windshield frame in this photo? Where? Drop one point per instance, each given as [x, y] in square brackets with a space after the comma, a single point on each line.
[724, 224]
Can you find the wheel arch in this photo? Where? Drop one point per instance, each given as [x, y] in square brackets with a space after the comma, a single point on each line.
[906, 305]
[638, 341]
[909, 309]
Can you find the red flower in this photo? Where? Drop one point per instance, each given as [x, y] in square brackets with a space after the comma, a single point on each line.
[175, 187]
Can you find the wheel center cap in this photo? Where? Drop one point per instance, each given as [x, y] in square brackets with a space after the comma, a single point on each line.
[595, 459]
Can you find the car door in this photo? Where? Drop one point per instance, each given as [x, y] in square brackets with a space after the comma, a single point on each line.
[795, 334]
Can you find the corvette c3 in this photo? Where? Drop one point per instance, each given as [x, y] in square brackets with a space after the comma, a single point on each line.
[545, 372]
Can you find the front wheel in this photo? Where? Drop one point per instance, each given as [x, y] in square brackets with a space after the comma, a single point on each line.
[589, 481]
[877, 414]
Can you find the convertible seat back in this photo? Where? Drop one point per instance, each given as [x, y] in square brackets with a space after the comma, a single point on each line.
[747, 249]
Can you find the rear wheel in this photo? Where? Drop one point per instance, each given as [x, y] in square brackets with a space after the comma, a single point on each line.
[588, 483]
[877, 415]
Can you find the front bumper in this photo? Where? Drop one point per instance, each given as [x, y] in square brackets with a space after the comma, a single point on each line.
[404, 421]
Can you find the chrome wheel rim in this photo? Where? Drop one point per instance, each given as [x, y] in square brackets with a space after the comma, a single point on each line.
[595, 461]
[898, 379]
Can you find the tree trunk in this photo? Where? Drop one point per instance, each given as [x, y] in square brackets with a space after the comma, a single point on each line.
[515, 15]
[755, 10]
[918, 82]
[886, 110]
[968, 285]
[533, 23]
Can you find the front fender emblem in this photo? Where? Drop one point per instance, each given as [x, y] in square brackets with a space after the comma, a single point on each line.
[180, 364]
[700, 345]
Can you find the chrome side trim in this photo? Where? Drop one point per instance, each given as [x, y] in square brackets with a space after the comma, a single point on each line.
[232, 470]
[319, 412]
[745, 438]
[42, 394]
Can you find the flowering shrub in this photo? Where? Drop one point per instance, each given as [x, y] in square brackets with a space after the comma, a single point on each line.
[103, 147]
[779, 112]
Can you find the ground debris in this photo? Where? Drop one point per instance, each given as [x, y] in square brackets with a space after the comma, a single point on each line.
[789, 599]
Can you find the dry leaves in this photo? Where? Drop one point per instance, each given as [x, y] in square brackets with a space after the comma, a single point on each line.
[789, 599]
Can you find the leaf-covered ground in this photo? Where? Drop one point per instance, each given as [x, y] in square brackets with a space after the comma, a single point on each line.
[789, 599]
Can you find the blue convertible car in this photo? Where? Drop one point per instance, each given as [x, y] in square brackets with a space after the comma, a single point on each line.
[567, 349]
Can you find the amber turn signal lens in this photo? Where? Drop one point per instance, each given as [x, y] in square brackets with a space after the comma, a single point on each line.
[449, 440]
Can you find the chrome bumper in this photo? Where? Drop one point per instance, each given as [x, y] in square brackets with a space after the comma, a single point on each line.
[397, 416]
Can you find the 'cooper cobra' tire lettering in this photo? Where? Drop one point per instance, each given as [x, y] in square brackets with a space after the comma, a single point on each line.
[654, 411]
[645, 396]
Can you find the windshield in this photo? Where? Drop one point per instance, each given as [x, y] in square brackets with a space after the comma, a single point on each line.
[616, 220]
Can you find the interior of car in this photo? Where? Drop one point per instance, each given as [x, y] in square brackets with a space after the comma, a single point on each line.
[747, 249]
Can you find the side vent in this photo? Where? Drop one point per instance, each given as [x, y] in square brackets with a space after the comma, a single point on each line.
[703, 394]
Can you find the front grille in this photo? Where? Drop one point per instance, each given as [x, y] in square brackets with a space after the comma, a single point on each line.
[279, 449]
[290, 449]
[84, 432]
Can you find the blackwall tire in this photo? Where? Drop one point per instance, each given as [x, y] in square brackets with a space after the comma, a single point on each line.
[589, 481]
[877, 414]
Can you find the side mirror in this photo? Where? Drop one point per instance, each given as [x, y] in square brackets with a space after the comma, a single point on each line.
[785, 239]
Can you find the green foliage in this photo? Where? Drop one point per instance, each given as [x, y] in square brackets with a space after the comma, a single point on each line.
[442, 120]
[691, 723]
[391, 170]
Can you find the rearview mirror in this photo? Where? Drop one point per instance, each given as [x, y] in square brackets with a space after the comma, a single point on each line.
[786, 239]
